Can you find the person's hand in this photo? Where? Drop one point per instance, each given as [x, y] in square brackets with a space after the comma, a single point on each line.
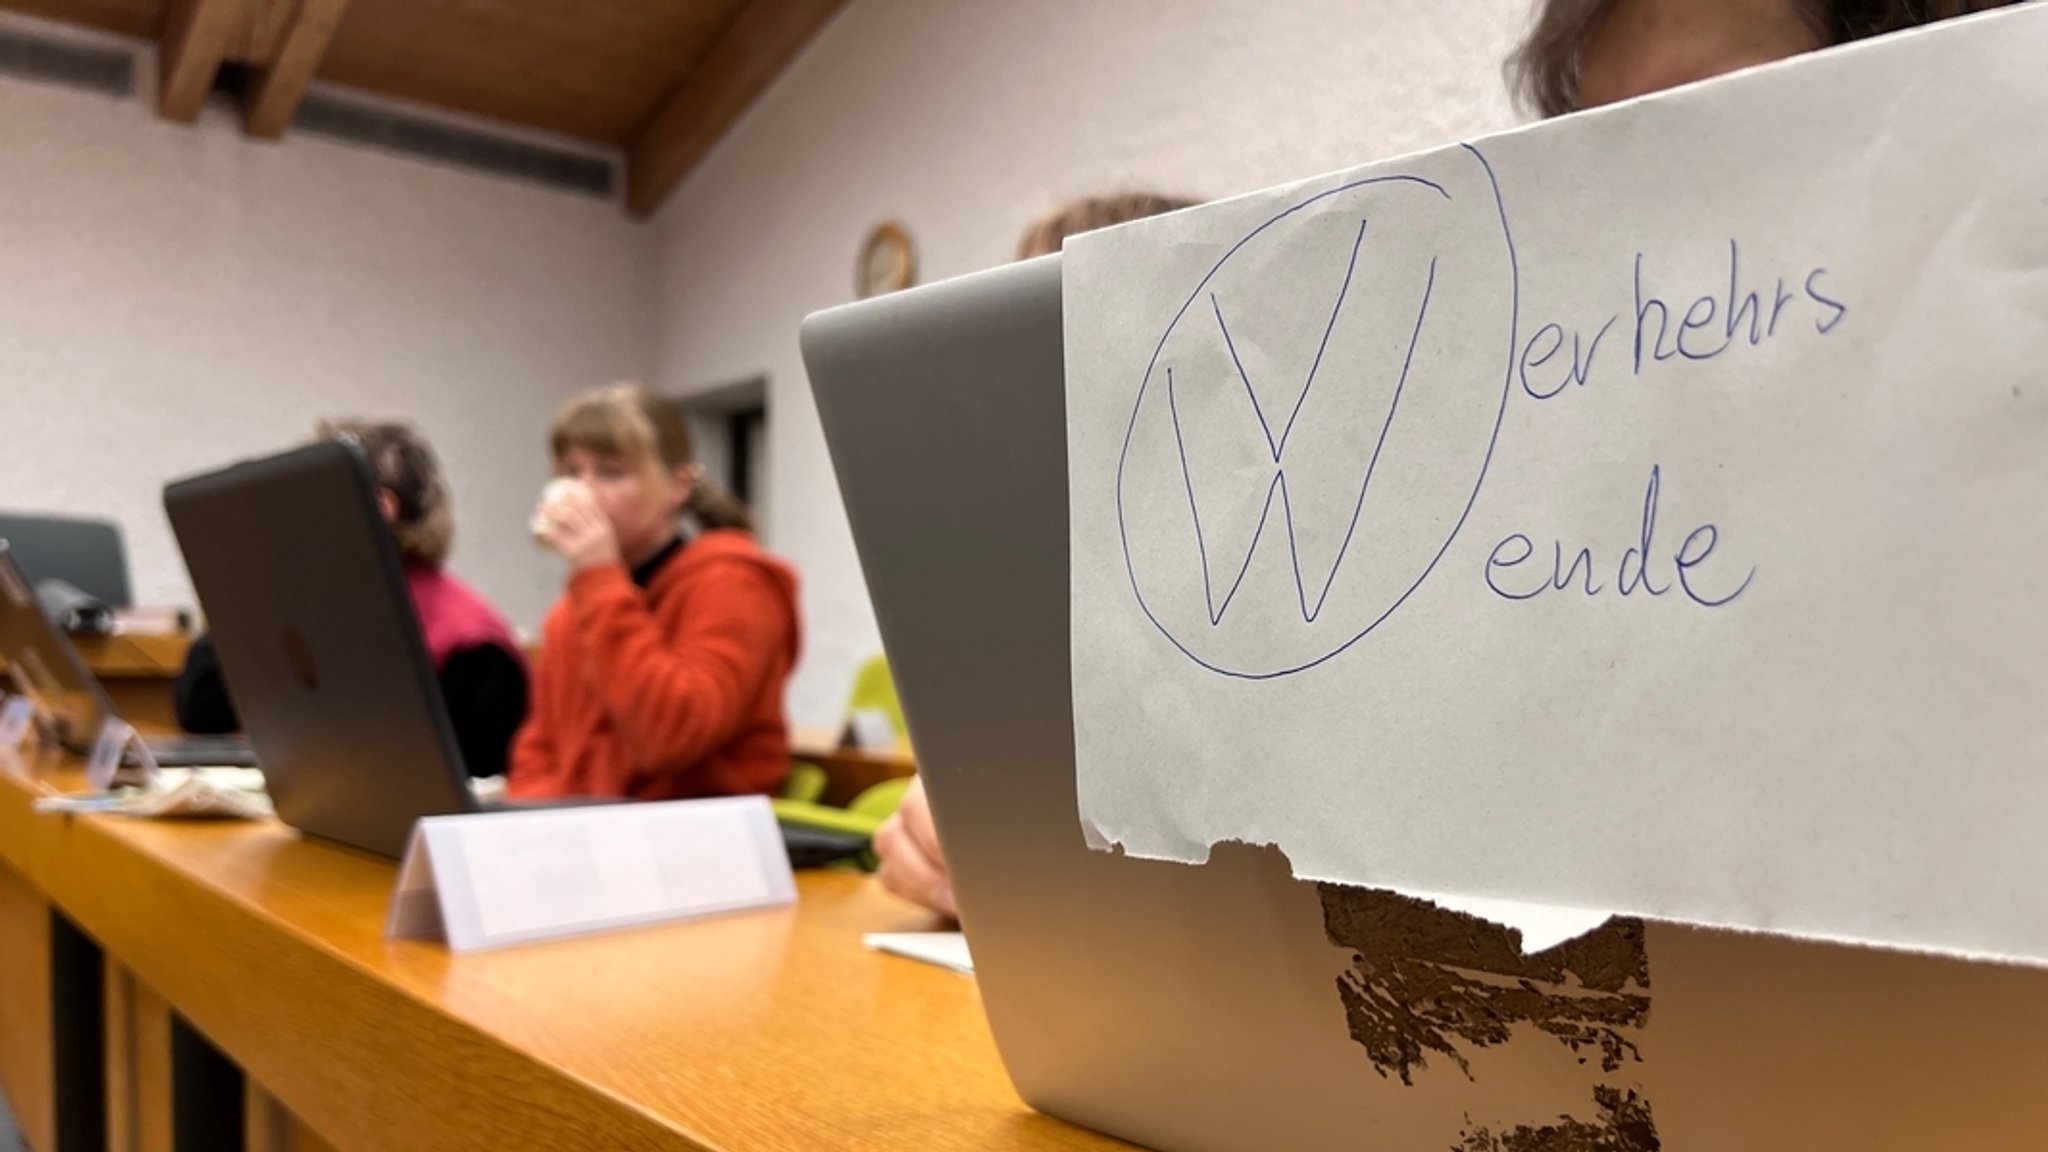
[913, 866]
[570, 521]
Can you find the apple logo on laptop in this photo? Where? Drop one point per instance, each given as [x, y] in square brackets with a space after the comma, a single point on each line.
[298, 656]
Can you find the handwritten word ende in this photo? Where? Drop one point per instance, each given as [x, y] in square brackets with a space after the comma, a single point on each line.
[1686, 563]
[1709, 326]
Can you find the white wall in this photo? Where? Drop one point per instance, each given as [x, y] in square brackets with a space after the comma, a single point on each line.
[175, 297]
[967, 120]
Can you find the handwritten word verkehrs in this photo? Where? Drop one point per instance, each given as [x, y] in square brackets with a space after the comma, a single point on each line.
[1324, 451]
[1656, 331]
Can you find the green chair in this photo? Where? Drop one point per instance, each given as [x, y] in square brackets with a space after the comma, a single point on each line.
[806, 783]
[862, 818]
[874, 689]
[880, 802]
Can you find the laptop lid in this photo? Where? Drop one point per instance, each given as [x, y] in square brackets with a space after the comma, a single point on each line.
[42, 663]
[306, 599]
[1183, 1008]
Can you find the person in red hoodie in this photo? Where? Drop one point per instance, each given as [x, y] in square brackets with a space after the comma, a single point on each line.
[662, 667]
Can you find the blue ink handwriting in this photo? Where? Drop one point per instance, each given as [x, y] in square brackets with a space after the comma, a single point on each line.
[1555, 358]
[1636, 571]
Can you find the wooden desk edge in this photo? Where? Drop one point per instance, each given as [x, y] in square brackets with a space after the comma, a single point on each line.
[265, 990]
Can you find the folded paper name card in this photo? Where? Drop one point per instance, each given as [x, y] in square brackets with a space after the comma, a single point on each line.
[489, 879]
[17, 720]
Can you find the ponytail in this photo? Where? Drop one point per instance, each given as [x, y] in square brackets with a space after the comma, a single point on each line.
[714, 507]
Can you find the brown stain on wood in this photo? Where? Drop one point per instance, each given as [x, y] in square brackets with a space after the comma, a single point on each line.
[1427, 982]
[1622, 1124]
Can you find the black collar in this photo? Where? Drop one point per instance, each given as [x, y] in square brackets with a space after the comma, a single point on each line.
[644, 572]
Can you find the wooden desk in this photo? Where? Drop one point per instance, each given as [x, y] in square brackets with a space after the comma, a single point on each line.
[137, 670]
[770, 1030]
[135, 655]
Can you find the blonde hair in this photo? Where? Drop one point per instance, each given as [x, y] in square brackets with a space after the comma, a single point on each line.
[648, 433]
[1543, 71]
[1050, 231]
[403, 464]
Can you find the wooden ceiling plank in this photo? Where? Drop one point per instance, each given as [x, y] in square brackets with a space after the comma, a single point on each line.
[748, 56]
[139, 19]
[263, 31]
[592, 69]
[195, 42]
[278, 87]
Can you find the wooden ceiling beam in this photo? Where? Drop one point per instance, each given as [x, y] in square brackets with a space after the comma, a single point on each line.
[195, 41]
[263, 31]
[737, 68]
[274, 94]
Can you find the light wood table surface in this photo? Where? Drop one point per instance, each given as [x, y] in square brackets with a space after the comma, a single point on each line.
[764, 1030]
[137, 669]
[135, 655]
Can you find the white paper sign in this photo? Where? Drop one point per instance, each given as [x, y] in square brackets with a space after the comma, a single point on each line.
[1644, 511]
[17, 720]
[495, 878]
[117, 741]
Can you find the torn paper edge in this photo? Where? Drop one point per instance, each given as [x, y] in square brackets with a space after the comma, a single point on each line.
[1547, 926]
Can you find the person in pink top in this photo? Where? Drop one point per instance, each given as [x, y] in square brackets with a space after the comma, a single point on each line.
[477, 658]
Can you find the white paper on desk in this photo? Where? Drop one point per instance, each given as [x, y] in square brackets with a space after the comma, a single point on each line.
[1791, 325]
[494, 878]
[177, 794]
[941, 949]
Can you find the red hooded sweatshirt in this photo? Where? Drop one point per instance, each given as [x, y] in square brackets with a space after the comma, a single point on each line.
[668, 693]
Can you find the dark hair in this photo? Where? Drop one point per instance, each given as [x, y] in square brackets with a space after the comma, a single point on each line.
[1543, 71]
[635, 425]
[404, 465]
[1049, 232]
[1844, 20]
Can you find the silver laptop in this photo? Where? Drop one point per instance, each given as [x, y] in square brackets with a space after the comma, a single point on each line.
[44, 665]
[1225, 1007]
[1182, 1008]
[306, 598]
